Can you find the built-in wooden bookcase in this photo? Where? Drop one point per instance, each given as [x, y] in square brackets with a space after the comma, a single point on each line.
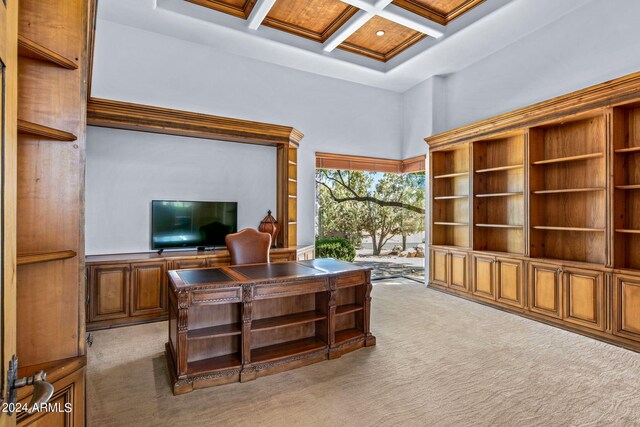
[498, 189]
[568, 182]
[626, 175]
[450, 196]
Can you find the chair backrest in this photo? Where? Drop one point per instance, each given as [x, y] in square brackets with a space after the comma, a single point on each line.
[248, 246]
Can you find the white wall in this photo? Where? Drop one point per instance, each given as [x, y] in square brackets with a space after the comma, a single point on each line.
[595, 43]
[126, 170]
[149, 68]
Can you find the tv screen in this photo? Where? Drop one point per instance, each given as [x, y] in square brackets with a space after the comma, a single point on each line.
[183, 224]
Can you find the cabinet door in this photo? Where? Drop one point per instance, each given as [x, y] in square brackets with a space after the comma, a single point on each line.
[218, 261]
[626, 306]
[178, 264]
[545, 294]
[108, 289]
[439, 267]
[458, 271]
[148, 288]
[583, 297]
[509, 281]
[483, 283]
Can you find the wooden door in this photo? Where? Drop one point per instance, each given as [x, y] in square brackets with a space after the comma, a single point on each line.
[583, 297]
[509, 281]
[439, 267]
[545, 293]
[8, 156]
[108, 292]
[148, 288]
[626, 306]
[483, 276]
[458, 271]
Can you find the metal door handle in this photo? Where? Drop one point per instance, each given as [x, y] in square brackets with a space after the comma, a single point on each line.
[42, 390]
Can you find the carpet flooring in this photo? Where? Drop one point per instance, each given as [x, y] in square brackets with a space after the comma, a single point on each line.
[439, 361]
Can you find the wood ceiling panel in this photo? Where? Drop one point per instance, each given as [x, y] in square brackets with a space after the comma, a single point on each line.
[313, 19]
[440, 11]
[396, 38]
[239, 8]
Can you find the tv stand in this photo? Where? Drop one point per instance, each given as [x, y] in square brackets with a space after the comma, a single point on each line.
[131, 288]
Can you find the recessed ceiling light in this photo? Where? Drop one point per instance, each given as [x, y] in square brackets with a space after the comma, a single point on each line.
[379, 33]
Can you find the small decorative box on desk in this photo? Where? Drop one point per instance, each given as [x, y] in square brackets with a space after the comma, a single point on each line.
[237, 323]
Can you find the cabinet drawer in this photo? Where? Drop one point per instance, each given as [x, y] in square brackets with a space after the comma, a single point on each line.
[350, 280]
[289, 289]
[180, 264]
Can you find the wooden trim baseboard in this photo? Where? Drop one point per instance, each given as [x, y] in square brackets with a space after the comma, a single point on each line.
[613, 92]
[145, 118]
[369, 164]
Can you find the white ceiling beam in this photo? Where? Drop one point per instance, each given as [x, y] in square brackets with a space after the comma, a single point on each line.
[355, 22]
[410, 20]
[259, 12]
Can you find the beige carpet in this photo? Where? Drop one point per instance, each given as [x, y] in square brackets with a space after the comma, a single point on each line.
[439, 361]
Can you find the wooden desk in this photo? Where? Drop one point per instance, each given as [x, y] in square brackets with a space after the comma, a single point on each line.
[232, 324]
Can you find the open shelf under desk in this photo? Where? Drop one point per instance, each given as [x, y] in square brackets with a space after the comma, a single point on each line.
[569, 159]
[569, 190]
[227, 361]
[288, 320]
[451, 175]
[628, 187]
[628, 150]
[348, 334]
[348, 308]
[214, 331]
[554, 228]
[500, 168]
[286, 349]
[516, 193]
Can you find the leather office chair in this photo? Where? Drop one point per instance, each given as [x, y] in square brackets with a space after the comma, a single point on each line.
[248, 246]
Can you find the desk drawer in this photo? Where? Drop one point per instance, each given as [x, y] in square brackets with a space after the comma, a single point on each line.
[287, 289]
[216, 296]
[354, 279]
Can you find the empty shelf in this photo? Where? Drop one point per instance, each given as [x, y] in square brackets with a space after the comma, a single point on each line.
[288, 320]
[26, 127]
[500, 168]
[348, 334]
[454, 224]
[451, 175]
[227, 361]
[499, 226]
[450, 197]
[628, 187]
[500, 194]
[569, 190]
[627, 231]
[286, 349]
[545, 227]
[569, 159]
[628, 150]
[34, 258]
[348, 308]
[30, 49]
[214, 331]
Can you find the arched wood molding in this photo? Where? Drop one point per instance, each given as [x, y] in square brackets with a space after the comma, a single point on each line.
[146, 118]
[369, 164]
[605, 94]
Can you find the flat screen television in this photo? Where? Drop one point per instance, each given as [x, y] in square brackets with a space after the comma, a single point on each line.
[186, 224]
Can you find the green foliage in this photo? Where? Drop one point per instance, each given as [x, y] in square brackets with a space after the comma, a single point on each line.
[335, 248]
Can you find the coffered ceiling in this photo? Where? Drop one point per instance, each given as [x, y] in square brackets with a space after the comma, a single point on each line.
[378, 29]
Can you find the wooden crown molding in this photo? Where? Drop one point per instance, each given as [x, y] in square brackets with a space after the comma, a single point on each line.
[240, 12]
[610, 93]
[298, 30]
[369, 164]
[146, 118]
[384, 57]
